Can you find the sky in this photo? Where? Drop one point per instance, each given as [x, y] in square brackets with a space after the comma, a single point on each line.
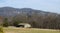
[45, 5]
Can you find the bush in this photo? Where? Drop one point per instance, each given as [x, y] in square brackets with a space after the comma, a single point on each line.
[1, 30]
[5, 23]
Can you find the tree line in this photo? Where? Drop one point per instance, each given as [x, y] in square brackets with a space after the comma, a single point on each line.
[36, 21]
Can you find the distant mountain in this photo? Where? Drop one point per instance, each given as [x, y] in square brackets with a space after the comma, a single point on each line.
[10, 11]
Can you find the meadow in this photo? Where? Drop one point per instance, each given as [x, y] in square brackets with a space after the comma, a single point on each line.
[29, 30]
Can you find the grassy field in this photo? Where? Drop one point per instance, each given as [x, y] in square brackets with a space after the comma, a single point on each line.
[29, 30]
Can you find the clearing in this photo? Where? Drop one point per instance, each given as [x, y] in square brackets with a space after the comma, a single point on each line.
[29, 30]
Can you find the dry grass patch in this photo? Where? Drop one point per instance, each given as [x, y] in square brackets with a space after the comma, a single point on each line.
[29, 30]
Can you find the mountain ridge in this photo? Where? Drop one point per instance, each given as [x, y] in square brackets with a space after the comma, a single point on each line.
[10, 11]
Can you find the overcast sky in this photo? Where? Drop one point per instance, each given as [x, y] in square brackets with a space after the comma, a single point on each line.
[46, 5]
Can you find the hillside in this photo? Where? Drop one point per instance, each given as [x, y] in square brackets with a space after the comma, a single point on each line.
[37, 18]
[10, 11]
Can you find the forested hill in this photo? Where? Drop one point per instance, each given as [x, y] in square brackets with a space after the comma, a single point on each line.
[37, 18]
[10, 11]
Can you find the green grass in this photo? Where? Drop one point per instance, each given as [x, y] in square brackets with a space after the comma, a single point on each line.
[29, 30]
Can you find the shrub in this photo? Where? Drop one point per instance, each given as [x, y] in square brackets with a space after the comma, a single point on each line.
[1, 30]
[5, 23]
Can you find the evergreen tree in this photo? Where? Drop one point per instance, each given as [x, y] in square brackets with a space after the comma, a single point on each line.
[5, 23]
